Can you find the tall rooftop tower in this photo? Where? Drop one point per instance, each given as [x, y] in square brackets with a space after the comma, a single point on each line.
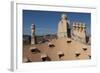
[63, 26]
[79, 31]
[33, 41]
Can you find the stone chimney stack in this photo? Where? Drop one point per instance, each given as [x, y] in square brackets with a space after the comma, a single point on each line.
[63, 26]
[33, 41]
[79, 31]
[83, 34]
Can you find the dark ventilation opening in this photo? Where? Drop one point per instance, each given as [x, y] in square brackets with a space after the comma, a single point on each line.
[46, 59]
[87, 39]
[69, 33]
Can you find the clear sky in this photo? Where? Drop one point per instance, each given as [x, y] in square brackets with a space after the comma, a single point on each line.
[47, 21]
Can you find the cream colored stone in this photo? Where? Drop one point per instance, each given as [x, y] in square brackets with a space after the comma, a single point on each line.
[33, 34]
[62, 26]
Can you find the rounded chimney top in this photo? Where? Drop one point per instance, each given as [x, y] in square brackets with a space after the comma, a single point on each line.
[33, 24]
[63, 16]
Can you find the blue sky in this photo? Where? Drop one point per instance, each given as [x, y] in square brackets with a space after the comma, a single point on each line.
[47, 21]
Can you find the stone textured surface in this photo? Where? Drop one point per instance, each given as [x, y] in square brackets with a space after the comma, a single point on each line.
[72, 48]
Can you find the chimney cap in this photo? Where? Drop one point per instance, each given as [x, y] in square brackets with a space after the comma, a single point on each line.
[63, 16]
